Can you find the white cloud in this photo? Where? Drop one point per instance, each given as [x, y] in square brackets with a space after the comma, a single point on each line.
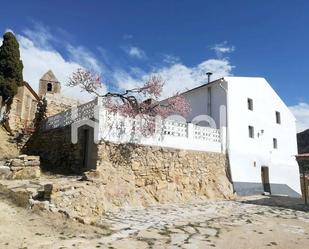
[301, 112]
[170, 59]
[84, 57]
[39, 57]
[178, 77]
[38, 61]
[222, 48]
[8, 30]
[40, 36]
[136, 52]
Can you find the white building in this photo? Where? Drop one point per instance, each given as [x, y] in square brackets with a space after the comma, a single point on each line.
[249, 122]
[260, 136]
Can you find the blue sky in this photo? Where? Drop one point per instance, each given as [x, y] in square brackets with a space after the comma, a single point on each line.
[128, 40]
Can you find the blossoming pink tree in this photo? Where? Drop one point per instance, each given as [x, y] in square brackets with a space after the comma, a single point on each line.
[143, 101]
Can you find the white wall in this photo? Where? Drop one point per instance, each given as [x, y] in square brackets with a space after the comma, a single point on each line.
[198, 99]
[243, 150]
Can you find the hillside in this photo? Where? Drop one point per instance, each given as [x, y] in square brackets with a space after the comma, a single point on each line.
[303, 141]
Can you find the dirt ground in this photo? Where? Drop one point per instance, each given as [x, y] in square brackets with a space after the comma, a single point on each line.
[245, 223]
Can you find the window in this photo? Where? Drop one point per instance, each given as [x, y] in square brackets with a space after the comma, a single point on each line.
[275, 143]
[278, 118]
[251, 131]
[49, 87]
[250, 104]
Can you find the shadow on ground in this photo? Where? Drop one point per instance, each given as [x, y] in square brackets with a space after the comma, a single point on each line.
[278, 201]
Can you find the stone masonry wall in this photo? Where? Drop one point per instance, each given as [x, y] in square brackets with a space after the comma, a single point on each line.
[57, 103]
[56, 151]
[149, 174]
[130, 175]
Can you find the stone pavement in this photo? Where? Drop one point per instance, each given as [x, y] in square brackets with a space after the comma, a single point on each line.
[245, 223]
[201, 225]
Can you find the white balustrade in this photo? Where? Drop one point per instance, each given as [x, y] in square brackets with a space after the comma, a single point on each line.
[173, 128]
[119, 129]
[206, 133]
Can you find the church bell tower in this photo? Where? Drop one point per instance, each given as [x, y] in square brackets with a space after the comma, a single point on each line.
[49, 84]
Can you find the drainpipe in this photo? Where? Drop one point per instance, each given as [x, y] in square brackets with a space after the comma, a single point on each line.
[227, 140]
[227, 128]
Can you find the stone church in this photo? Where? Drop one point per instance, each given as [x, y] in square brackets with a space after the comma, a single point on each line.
[23, 108]
[50, 89]
[24, 105]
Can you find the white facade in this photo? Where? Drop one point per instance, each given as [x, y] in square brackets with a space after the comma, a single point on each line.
[246, 154]
[226, 102]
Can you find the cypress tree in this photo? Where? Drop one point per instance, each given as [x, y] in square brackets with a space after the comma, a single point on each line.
[40, 114]
[11, 67]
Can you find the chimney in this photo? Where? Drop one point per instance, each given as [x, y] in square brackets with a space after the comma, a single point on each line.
[208, 75]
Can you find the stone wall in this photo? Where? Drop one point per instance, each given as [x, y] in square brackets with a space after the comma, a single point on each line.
[57, 103]
[131, 175]
[149, 174]
[22, 109]
[56, 151]
[21, 167]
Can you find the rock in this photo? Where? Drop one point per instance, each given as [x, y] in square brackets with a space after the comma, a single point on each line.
[161, 185]
[4, 172]
[208, 231]
[53, 209]
[135, 166]
[33, 158]
[32, 163]
[17, 162]
[140, 182]
[22, 157]
[48, 189]
[92, 176]
[39, 205]
[16, 168]
[150, 235]
[27, 173]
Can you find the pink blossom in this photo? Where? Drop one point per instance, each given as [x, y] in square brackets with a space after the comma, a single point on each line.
[142, 101]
